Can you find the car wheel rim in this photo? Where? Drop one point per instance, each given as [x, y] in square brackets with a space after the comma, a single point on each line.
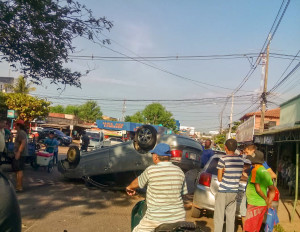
[71, 154]
[144, 136]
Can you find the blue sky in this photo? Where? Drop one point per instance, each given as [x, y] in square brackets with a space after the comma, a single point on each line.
[178, 28]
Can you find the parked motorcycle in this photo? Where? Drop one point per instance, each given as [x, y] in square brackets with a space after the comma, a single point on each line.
[139, 211]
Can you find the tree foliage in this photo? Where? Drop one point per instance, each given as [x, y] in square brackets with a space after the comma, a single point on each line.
[57, 109]
[154, 114]
[28, 107]
[72, 109]
[38, 35]
[90, 111]
[21, 86]
[3, 106]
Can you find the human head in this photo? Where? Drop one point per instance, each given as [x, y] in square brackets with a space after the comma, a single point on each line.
[2, 123]
[230, 146]
[207, 143]
[51, 134]
[20, 125]
[257, 158]
[250, 149]
[162, 152]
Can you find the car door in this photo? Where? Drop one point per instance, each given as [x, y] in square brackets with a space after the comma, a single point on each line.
[212, 169]
[95, 162]
[123, 157]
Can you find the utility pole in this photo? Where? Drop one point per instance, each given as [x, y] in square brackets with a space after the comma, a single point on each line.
[264, 93]
[123, 110]
[221, 122]
[230, 125]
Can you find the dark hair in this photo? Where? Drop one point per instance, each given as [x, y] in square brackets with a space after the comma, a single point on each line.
[163, 158]
[22, 127]
[231, 144]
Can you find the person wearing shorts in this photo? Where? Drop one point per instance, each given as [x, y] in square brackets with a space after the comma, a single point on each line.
[20, 150]
[259, 182]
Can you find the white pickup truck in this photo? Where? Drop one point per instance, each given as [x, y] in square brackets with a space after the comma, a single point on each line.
[96, 140]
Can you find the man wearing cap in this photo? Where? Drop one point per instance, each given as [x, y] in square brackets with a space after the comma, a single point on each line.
[258, 202]
[166, 185]
[21, 150]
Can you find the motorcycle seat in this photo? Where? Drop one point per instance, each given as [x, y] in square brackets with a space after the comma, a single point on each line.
[177, 226]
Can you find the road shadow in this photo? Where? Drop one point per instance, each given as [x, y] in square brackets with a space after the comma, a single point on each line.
[45, 193]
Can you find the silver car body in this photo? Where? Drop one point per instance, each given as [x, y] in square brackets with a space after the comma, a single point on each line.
[124, 157]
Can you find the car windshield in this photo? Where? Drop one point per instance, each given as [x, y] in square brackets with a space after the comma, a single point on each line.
[212, 168]
[93, 135]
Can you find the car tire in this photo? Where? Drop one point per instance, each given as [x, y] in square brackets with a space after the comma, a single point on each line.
[73, 156]
[146, 137]
[196, 212]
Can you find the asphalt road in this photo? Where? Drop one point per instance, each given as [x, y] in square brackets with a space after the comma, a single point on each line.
[51, 203]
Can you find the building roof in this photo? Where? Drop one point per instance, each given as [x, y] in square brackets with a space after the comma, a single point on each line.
[273, 113]
[7, 80]
[292, 99]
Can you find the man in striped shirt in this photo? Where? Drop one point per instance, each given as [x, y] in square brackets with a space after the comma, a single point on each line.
[230, 168]
[165, 187]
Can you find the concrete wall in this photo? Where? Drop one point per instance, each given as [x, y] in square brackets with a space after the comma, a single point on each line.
[267, 119]
[290, 112]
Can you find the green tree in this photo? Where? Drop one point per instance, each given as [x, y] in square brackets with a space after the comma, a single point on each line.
[235, 126]
[28, 107]
[21, 86]
[38, 35]
[154, 114]
[127, 118]
[3, 106]
[90, 111]
[138, 117]
[72, 109]
[57, 109]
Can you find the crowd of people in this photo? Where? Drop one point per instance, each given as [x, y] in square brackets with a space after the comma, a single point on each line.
[163, 179]
[19, 142]
[166, 182]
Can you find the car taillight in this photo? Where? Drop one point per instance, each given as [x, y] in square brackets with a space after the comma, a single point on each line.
[176, 154]
[186, 155]
[205, 179]
[277, 194]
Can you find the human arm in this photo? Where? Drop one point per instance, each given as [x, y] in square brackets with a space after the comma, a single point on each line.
[139, 182]
[220, 174]
[221, 169]
[273, 175]
[21, 148]
[260, 193]
[130, 189]
[271, 195]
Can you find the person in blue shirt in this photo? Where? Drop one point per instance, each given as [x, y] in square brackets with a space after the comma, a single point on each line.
[207, 153]
[52, 145]
[250, 151]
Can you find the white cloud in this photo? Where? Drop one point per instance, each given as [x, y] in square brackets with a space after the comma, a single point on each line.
[112, 81]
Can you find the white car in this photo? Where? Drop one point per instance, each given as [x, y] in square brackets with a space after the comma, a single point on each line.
[114, 141]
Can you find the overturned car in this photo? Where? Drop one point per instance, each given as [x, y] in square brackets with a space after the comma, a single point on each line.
[131, 156]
